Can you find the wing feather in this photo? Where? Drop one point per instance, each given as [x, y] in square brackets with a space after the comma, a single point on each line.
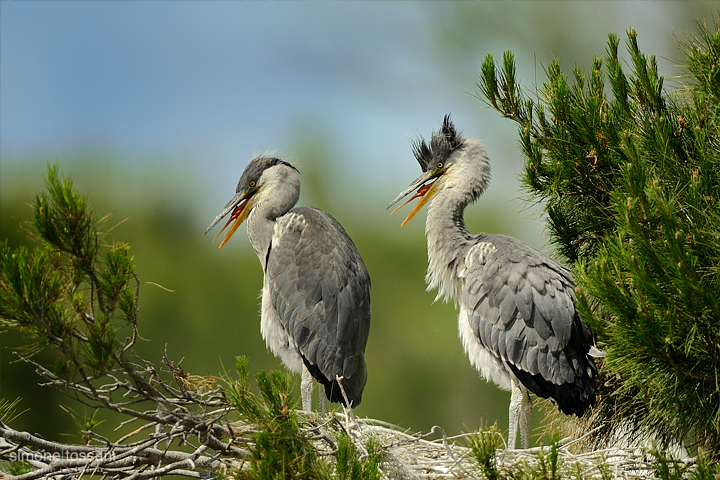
[519, 303]
[320, 289]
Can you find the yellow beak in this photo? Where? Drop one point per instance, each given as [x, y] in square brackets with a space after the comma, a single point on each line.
[424, 192]
[239, 214]
[240, 206]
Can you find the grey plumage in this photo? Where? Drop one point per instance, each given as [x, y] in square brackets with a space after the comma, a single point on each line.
[517, 318]
[316, 289]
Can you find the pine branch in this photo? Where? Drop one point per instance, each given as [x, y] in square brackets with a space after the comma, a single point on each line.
[631, 186]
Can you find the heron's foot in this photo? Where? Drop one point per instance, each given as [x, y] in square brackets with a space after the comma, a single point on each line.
[524, 420]
[322, 399]
[306, 387]
[514, 415]
[520, 415]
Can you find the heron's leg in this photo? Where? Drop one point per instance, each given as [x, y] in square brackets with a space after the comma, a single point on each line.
[524, 420]
[516, 399]
[322, 400]
[306, 386]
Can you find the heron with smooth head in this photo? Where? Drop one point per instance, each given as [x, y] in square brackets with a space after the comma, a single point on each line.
[315, 312]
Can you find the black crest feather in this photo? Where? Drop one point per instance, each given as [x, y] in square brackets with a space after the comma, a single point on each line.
[442, 145]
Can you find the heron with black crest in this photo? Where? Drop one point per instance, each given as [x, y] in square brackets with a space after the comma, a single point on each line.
[517, 318]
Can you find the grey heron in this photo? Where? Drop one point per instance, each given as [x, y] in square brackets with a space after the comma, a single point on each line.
[315, 312]
[517, 319]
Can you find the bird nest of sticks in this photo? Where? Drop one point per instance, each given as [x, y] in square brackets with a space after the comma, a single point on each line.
[435, 455]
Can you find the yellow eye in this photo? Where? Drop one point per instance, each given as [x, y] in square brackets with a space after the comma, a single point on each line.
[252, 183]
[439, 164]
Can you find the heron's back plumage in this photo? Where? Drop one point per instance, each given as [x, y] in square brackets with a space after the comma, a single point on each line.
[319, 291]
[519, 306]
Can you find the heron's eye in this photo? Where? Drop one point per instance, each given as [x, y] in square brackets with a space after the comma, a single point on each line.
[252, 183]
[439, 164]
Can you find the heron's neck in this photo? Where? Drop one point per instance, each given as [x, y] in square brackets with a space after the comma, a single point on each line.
[277, 202]
[260, 229]
[448, 241]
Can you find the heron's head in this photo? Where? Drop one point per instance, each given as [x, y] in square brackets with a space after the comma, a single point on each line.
[265, 177]
[448, 162]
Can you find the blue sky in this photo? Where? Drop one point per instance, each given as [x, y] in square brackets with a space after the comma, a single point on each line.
[209, 84]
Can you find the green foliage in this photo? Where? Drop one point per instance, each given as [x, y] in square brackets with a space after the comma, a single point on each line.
[548, 467]
[8, 410]
[702, 54]
[705, 469]
[284, 443]
[669, 468]
[484, 445]
[85, 423]
[62, 218]
[280, 449]
[569, 164]
[16, 468]
[547, 463]
[551, 462]
[631, 183]
[350, 467]
[605, 471]
[60, 293]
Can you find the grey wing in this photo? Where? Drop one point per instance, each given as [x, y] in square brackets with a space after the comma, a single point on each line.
[520, 305]
[320, 289]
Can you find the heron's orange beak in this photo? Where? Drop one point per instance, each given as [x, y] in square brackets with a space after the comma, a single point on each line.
[239, 214]
[425, 192]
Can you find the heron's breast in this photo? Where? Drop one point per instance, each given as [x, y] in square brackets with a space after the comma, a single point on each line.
[276, 337]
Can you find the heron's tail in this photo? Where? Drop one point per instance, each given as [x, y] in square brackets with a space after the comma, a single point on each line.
[570, 381]
[353, 385]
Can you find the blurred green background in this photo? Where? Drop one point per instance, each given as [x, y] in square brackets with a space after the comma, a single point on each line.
[156, 107]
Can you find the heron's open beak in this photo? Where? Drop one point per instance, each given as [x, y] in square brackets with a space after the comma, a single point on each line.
[425, 191]
[240, 206]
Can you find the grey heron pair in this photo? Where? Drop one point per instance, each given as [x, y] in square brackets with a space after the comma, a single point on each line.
[517, 319]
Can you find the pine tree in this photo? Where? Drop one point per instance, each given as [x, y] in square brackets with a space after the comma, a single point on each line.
[630, 181]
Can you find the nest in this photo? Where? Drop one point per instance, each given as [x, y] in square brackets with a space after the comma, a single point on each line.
[419, 456]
